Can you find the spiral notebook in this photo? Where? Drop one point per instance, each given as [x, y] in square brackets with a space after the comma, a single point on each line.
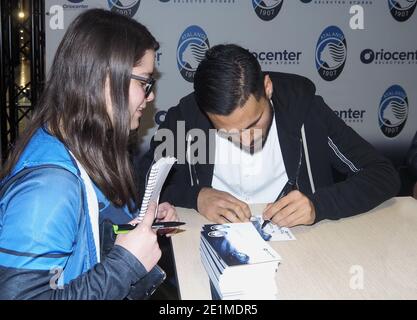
[155, 181]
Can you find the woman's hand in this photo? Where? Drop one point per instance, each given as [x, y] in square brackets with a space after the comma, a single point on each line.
[142, 241]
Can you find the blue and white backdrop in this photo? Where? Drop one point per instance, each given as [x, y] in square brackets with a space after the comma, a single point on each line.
[368, 75]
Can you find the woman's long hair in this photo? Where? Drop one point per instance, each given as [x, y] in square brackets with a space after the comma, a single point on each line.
[98, 45]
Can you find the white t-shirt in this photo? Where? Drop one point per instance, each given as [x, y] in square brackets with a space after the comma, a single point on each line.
[257, 178]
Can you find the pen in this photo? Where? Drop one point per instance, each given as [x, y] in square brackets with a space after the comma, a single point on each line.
[125, 228]
[289, 186]
[292, 184]
[265, 223]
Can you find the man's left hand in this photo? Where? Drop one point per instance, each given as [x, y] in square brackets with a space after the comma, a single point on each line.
[166, 213]
[292, 210]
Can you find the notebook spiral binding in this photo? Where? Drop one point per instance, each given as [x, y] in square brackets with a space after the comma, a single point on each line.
[150, 186]
[155, 179]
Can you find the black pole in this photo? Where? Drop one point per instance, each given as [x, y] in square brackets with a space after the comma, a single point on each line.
[4, 71]
[17, 100]
[38, 54]
[11, 65]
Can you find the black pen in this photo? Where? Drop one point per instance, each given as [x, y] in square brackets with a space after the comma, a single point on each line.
[125, 228]
[289, 186]
[292, 184]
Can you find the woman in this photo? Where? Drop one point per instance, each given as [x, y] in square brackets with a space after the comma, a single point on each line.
[72, 161]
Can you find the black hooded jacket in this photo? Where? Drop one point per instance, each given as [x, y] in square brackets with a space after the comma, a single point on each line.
[329, 145]
[412, 157]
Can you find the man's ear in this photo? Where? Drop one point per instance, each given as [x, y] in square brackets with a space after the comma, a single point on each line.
[269, 87]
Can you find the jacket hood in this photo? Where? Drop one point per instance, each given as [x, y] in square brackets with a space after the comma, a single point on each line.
[294, 96]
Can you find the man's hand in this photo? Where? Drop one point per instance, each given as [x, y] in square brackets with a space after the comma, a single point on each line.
[291, 210]
[166, 213]
[222, 207]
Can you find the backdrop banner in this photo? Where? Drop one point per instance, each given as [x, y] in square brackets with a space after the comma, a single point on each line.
[368, 75]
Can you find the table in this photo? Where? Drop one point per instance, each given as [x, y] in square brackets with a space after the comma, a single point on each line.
[368, 256]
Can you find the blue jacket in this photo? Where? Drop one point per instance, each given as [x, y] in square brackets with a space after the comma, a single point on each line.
[47, 249]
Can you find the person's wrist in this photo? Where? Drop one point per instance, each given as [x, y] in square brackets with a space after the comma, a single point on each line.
[200, 197]
[313, 213]
[130, 260]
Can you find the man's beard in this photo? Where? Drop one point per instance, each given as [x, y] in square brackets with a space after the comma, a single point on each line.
[258, 145]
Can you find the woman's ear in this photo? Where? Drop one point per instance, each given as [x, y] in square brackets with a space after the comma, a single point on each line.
[269, 87]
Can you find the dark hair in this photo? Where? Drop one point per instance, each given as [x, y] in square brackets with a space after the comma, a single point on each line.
[225, 79]
[98, 44]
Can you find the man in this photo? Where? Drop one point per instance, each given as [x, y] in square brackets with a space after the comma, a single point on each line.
[412, 162]
[287, 139]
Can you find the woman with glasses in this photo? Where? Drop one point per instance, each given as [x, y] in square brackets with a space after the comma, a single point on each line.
[72, 164]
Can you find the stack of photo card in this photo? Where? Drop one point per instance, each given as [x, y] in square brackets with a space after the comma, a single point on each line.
[272, 232]
[240, 264]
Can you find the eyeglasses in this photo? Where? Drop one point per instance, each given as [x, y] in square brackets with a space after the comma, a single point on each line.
[148, 83]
